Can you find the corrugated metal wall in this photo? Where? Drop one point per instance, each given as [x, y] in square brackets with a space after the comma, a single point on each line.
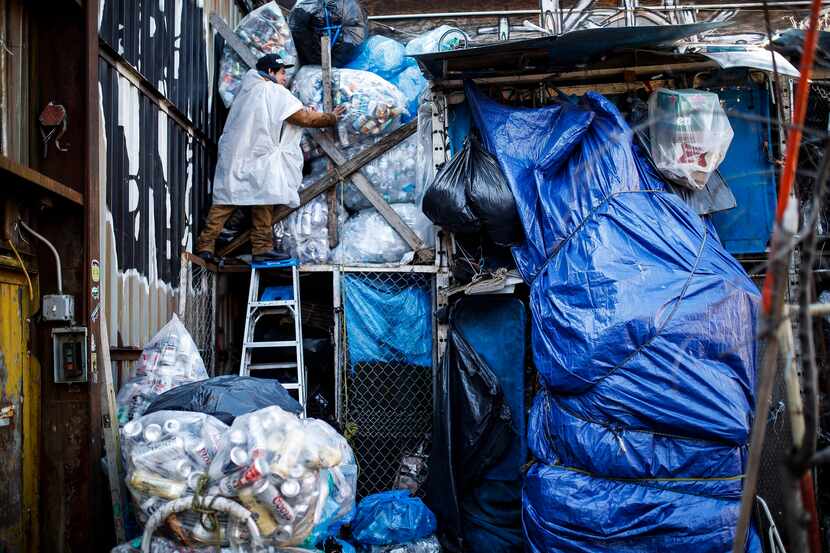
[158, 143]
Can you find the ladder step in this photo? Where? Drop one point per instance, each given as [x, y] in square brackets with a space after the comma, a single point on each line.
[286, 344]
[269, 366]
[275, 303]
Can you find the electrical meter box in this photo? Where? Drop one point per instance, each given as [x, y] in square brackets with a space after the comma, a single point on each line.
[69, 354]
[59, 307]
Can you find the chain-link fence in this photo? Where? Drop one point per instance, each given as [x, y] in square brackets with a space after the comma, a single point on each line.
[386, 388]
[197, 308]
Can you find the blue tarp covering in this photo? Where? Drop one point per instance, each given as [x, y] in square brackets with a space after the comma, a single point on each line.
[387, 322]
[643, 334]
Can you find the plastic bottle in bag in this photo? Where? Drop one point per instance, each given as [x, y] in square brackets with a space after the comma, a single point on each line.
[263, 31]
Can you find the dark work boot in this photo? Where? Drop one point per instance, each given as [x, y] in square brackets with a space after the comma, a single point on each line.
[207, 256]
[270, 256]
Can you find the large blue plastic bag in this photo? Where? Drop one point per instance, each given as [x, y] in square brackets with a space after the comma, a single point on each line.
[390, 518]
[619, 516]
[381, 55]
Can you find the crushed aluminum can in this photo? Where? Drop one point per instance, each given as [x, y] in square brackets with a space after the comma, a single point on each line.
[151, 484]
[158, 452]
[172, 426]
[290, 489]
[132, 430]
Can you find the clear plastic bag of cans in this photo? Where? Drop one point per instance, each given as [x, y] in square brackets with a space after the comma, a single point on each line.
[168, 454]
[264, 31]
[170, 359]
[374, 105]
[391, 174]
[297, 476]
[689, 135]
[367, 238]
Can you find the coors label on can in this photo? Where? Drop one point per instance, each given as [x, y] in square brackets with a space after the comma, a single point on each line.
[267, 494]
[253, 473]
[158, 452]
[200, 453]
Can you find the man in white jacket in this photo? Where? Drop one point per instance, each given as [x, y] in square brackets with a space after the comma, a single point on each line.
[260, 161]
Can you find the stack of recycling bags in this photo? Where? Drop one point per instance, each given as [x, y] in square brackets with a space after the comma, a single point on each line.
[296, 476]
[381, 88]
[643, 335]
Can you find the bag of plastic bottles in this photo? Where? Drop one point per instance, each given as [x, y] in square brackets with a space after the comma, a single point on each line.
[386, 58]
[367, 238]
[343, 20]
[690, 135]
[374, 106]
[391, 174]
[392, 517]
[298, 476]
[426, 545]
[440, 39]
[263, 31]
[170, 359]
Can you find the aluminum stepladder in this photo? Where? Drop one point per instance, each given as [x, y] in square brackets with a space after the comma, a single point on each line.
[257, 309]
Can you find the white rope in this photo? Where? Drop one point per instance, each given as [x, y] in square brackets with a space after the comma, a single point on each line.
[221, 504]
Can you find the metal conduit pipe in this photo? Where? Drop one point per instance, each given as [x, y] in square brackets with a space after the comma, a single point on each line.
[51, 247]
[678, 8]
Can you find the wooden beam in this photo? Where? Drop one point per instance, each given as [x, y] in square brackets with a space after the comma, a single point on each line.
[29, 176]
[328, 106]
[362, 183]
[330, 179]
[232, 40]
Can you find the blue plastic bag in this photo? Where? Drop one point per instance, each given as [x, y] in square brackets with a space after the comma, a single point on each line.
[392, 517]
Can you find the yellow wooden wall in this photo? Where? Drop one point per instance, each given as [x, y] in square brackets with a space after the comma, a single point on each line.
[19, 413]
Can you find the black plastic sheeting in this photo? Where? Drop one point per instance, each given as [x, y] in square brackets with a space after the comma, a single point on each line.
[473, 428]
[226, 397]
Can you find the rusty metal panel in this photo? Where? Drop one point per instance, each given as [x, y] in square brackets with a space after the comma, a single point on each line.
[19, 418]
[172, 46]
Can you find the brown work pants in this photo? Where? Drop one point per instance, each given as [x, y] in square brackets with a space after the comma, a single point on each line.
[261, 237]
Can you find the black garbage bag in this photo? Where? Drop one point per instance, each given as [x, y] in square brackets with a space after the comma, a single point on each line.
[226, 397]
[472, 428]
[445, 201]
[471, 194]
[344, 20]
[490, 198]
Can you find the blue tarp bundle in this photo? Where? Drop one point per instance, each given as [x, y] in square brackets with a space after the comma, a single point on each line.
[643, 334]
